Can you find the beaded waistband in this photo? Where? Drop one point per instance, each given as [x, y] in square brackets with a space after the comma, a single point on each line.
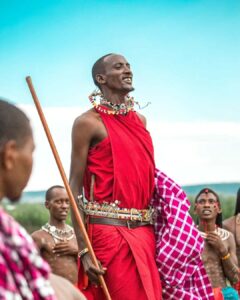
[112, 210]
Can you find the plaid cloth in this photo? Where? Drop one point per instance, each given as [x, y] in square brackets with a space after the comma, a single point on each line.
[23, 273]
[179, 244]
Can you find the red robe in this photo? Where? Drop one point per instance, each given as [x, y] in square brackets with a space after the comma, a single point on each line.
[123, 165]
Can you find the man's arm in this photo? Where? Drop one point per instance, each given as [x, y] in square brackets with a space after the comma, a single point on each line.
[226, 254]
[38, 239]
[82, 135]
[66, 248]
[230, 263]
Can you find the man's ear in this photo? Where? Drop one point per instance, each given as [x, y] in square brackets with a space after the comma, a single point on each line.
[9, 154]
[101, 79]
[194, 209]
[47, 204]
[219, 208]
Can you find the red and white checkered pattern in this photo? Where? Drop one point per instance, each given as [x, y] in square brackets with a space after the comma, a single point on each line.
[23, 273]
[179, 244]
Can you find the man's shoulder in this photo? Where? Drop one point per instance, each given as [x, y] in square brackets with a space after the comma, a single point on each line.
[142, 118]
[225, 234]
[229, 224]
[39, 234]
[88, 118]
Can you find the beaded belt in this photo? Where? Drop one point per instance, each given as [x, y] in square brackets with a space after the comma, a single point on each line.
[113, 211]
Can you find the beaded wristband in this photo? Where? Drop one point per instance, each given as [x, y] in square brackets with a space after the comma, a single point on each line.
[82, 252]
[226, 256]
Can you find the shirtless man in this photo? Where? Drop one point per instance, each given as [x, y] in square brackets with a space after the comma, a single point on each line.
[56, 240]
[219, 255]
[23, 273]
[232, 224]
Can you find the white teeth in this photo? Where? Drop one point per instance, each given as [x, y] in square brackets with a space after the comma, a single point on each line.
[129, 80]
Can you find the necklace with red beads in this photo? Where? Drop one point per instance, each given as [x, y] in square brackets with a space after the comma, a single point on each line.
[103, 105]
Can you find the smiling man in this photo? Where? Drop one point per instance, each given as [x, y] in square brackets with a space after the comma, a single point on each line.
[219, 255]
[56, 240]
[112, 159]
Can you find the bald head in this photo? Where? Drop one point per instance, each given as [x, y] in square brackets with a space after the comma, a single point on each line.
[98, 68]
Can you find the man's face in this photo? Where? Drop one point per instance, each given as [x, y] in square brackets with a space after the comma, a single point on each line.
[207, 206]
[117, 75]
[18, 167]
[58, 205]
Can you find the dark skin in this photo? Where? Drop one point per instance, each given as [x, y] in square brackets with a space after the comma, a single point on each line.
[230, 225]
[15, 169]
[215, 248]
[61, 255]
[88, 130]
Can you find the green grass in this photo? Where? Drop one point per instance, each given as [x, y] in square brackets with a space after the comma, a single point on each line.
[30, 215]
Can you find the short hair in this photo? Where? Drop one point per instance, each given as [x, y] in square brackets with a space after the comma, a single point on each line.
[237, 207]
[98, 68]
[207, 191]
[49, 192]
[14, 124]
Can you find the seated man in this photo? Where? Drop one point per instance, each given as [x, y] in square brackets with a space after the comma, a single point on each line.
[56, 240]
[23, 273]
[219, 255]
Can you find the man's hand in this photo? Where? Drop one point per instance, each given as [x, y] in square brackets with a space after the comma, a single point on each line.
[65, 248]
[215, 241]
[91, 271]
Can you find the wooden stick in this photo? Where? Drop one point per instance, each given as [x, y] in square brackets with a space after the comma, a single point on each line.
[66, 184]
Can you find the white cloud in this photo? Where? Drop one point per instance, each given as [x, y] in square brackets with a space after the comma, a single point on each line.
[191, 153]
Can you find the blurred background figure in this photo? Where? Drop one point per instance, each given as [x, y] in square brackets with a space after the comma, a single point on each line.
[56, 240]
[219, 254]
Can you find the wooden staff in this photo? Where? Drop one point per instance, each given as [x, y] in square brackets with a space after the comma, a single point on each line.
[66, 184]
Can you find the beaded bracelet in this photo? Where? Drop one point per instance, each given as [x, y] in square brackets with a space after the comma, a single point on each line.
[225, 257]
[82, 252]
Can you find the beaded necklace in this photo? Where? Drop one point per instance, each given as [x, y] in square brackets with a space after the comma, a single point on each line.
[223, 234]
[59, 234]
[115, 109]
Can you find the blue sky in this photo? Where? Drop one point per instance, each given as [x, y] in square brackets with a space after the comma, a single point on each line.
[184, 54]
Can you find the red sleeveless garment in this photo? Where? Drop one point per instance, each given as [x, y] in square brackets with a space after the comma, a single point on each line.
[123, 166]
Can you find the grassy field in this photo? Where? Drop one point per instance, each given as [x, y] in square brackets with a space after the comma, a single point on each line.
[30, 215]
[33, 215]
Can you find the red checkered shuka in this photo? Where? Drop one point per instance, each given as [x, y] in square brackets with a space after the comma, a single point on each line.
[23, 273]
[178, 244]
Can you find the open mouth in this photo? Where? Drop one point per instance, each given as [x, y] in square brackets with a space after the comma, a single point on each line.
[128, 80]
[206, 212]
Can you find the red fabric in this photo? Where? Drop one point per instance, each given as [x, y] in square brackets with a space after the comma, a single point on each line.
[122, 163]
[124, 169]
[218, 294]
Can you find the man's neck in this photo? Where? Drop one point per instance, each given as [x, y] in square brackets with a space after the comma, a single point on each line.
[58, 224]
[207, 225]
[113, 97]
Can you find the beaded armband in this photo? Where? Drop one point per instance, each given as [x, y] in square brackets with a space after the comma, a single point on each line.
[82, 252]
[225, 257]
